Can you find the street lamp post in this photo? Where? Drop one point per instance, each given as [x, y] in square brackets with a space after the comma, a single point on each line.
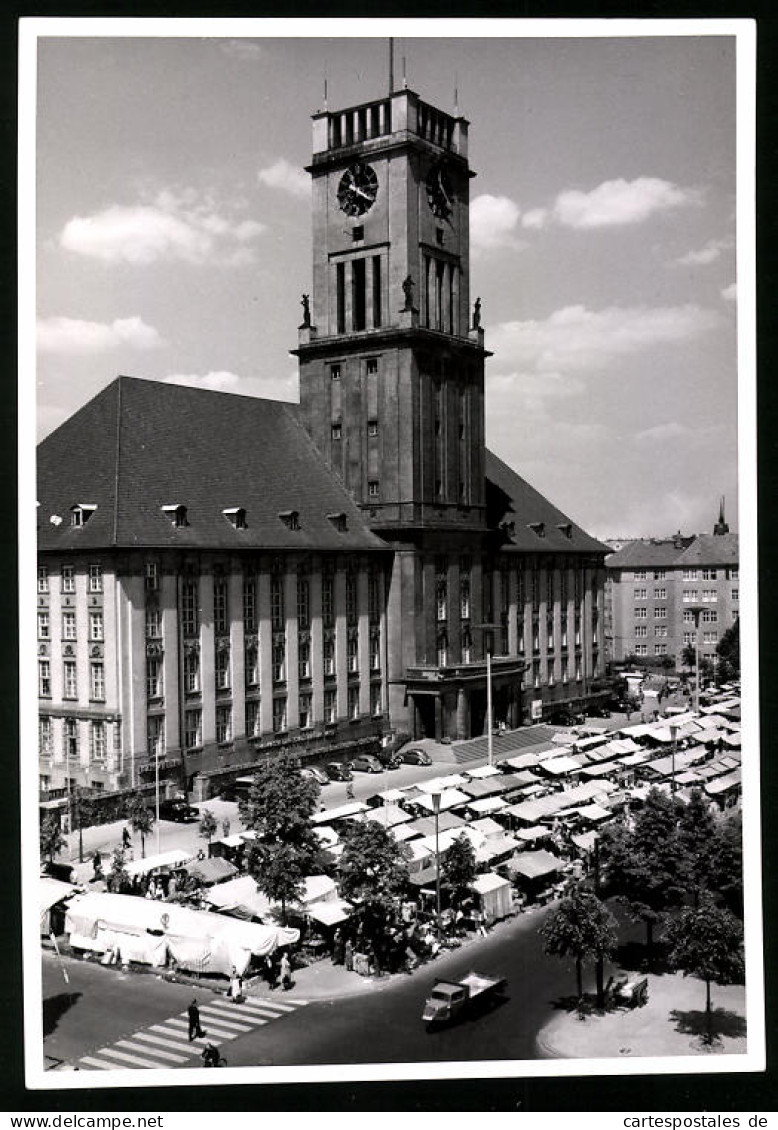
[435, 795]
[488, 629]
[674, 736]
[156, 783]
[696, 613]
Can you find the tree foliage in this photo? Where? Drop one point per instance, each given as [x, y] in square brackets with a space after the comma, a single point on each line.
[580, 927]
[82, 811]
[726, 862]
[51, 837]
[140, 818]
[728, 651]
[208, 825]
[373, 875]
[458, 869]
[696, 833]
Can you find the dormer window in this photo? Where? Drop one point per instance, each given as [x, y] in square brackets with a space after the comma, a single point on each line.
[176, 514]
[81, 513]
[290, 518]
[538, 527]
[339, 522]
[236, 515]
[566, 528]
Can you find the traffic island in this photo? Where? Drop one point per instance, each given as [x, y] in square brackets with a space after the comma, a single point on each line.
[672, 1022]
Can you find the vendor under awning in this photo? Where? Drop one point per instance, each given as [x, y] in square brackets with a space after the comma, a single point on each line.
[211, 871]
[534, 865]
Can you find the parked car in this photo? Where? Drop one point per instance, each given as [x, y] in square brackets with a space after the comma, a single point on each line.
[179, 811]
[366, 763]
[338, 771]
[314, 773]
[389, 759]
[65, 872]
[415, 756]
[599, 710]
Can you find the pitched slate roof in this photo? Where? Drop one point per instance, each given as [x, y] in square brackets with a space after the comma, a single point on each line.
[688, 552]
[140, 445]
[524, 512]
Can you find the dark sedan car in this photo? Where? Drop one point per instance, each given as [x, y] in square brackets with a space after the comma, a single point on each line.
[337, 771]
[178, 811]
[415, 756]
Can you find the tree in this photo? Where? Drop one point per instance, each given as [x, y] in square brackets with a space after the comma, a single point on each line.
[706, 941]
[728, 652]
[82, 809]
[140, 818]
[581, 927]
[667, 662]
[726, 862]
[458, 869]
[696, 835]
[52, 839]
[373, 874]
[644, 865]
[208, 824]
[689, 656]
[118, 879]
[278, 872]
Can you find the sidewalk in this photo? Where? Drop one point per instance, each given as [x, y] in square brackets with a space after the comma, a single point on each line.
[670, 1024]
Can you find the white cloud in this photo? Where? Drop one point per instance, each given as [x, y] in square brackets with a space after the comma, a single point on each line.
[216, 381]
[712, 251]
[222, 380]
[535, 218]
[289, 178]
[660, 432]
[73, 336]
[575, 339]
[177, 226]
[617, 202]
[493, 221]
[729, 293]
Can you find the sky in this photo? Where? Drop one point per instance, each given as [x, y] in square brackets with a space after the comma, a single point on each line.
[174, 239]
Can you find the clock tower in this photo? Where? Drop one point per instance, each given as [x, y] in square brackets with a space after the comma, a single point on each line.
[391, 356]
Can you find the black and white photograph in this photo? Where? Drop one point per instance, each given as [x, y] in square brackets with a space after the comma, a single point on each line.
[390, 703]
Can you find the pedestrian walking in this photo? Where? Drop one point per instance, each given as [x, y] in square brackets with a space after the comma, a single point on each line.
[337, 947]
[236, 986]
[270, 972]
[126, 841]
[286, 973]
[97, 863]
[193, 1012]
[348, 954]
[226, 827]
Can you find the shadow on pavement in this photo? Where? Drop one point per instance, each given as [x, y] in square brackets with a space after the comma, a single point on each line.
[633, 956]
[56, 1007]
[722, 1023]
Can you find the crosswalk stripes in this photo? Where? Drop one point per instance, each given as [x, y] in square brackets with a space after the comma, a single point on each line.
[167, 1044]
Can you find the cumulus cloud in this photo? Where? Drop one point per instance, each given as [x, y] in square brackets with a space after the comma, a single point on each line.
[177, 226]
[670, 430]
[729, 293]
[222, 380]
[616, 202]
[216, 381]
[493, 222]
[287, 177]
[73, 336]
[712, 251]
[575, 339]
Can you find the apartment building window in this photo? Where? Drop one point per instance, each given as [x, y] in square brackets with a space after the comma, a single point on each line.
[251, 665]
[710, 637]
[279, 715]
[441, 600]
[249, 604]
[690, 574]
[467, 645]
[733, 574]
[352, 653]
[709, 596]
[640, 613]
[71, 738]
[151, 576]
[279, 660]
[565, 669]
[353, 703]
[45, 737]
[330, 707]
[688, 637]
[306, 711]
[328, 656]
[375, 651]
[68, 625]
[220, 622]
[688, 617]
[191, 671]
[376, 703]
[661, 631]
[536, 673]
[335, 369]
[442, 649]
[690, 596]
[351, 598]
[641, 631]
[640, 574]
[641, 594]
[69, 682]
[327, 600]
[190, 612]
[43, 579]
[660, 594]
[660, 574]
[154, 676]
[303, 604]
[372, 428]
[660, 649]
[550, 673]
[252, 718]
[303, 660]
[277, 616]
[660, 612]
[155, 735]
[153, 622]
[641, 649]
[709, 574]
[68, 579]
[710, 616]
[535, 639]
[736, 594]
[373, 596]
[373, 490]
[43, 625]
[44, 678]
[95, 578]
[193, 728]
[563, 630]
[464, 598]
[222, 669]
[224, 723]
[96, 627]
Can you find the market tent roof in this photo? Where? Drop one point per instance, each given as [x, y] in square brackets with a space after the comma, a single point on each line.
[450, 781]
[732, 740]
[318, 887]
[536, 832]
[494, 847]
[328, 836]
[212, 870]
[688, 778]
[155, 862]
[422, 878]
[52, 891]
[404, 833]
[343, 812]
[417, 850]
[479, 788]
[487, 804]
[721, 707]
[622, 746]
[682, 718]
[534, 864]
[389, 815]
[446, 839]
[240, 892]
[636, 758]
[512, 781]
[525, 760]
[560, 766]
[602, 769]
[329, 913]
[235, 840]
[585, 744]
[584, 841]
[595, 812]
[639, 730]
[449, 798]
[486, 826]
[392, 796]
[663, 766]
[482, 884]
[724, 784]
[425, 825]
[483, 771]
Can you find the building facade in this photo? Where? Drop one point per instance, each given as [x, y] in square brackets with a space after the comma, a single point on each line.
[222, 578]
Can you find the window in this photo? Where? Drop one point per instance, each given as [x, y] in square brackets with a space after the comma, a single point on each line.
[641, 631]
[337, 431]
[251, 665]
[252, 718]
[641, 649]
[640, 574]
[96, 682]
[68, 625]
[304, 660]
[661, 631]
[43, 625]
[71, 738]
[442, 649]
[709, 574]
[375, 651]
[660, 612]
[467, 645]
[660, 649]
[660, 574]
[688, 637]
[709, 596]
[236, 516]
[328, 652]
[441, 599]
[351, 598]
[377, 313]
[155, 735]
[279, 660]
[690, 574]
[733, 574]
[95, 578]
[44, 678]
[277, 616]
[565, 669]
[641, 594]
[192, 671]
[306, 711]
[536, 674]
[353, 703]
[372, 488]
[464, 598]
[152, 576]
[43, 578]
[177, 515]
[689, 596]
[224, 723]
[153, 676]
[220, 620]
[372, 427]
[279, 714]
[640, 613]
[373, 596]
[340, 288]
[68, 579]
[153, 622]
[358, 294]
[688, 617]
[352, 654]
[222, 669]
[193, 728]
[372, 366]
[330, 707]
[70, 684]
[335, 372]
[710, 616]
[45, 737]
[660, 594]
[190, 612]
[736, 594]
[249, 604]
[710, 637]
[96, 626]
[303, 604]
[376, 704]
[550, 673]
[327, 601]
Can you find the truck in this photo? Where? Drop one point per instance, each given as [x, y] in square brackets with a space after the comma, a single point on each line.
[449, 998]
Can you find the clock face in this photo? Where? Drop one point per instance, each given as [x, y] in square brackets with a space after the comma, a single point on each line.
[358, 189]
[439, 192]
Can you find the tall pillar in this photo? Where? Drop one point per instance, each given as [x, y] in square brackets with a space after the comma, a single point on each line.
[317, 643]
[265, 653]
[207, 658]
[237, 651]
[292, 650]
[171, 670]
